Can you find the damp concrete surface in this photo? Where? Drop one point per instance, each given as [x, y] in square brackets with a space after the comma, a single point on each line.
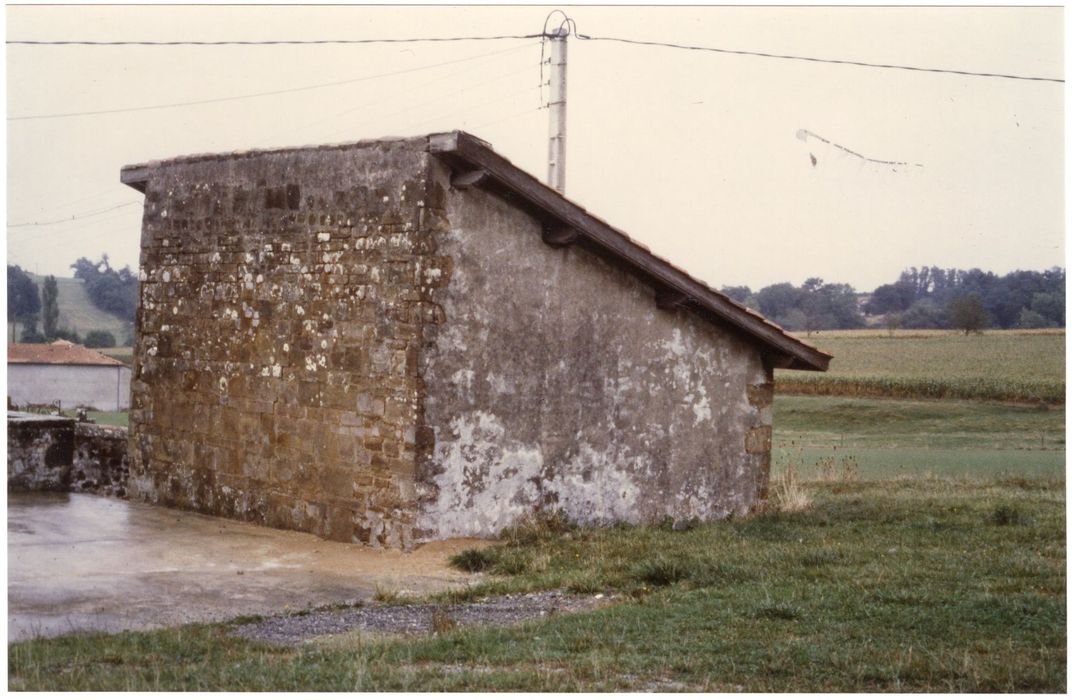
[80, 563]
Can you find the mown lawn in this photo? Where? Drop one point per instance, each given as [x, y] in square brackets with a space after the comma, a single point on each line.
[1021, 366]
[922, 584]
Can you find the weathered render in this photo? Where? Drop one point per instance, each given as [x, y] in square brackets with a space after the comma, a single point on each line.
[396, 341]
[556, 382]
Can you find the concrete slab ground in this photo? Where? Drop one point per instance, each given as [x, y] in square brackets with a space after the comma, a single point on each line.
[79, 562]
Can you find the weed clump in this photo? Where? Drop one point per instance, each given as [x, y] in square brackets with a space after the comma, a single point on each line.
[442, 622]
[510, 563]
[777, 611]
[537, 527]
[385, 594]
[473, 560]
[1007, 515]
[820, 558]
[789, 495]
[585, 585]
[662, 571]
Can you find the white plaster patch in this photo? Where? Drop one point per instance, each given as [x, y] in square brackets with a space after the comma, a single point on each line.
[675, 346]
[486, 483]
[499, 384]
[701, 410]
[609, 494]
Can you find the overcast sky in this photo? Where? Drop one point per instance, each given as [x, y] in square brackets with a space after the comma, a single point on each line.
[694, 153]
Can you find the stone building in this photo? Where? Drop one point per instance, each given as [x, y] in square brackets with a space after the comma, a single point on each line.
[402, 340]
[66, 374]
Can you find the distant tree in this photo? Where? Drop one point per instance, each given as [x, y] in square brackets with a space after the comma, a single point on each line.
[924, 314]
[99, 339]
[966, 313]
[50, 308]
[892, 321]
[1033, 319]
[889, 298]
[738, 294]
[31, 335]
[777, 300]
[795, 320]
[65, 334]
[23, 301]
[1051, 306]
[110, 290]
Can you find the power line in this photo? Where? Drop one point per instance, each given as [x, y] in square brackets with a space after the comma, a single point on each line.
[281, 42]
[75, 217]
[812, 59]
[264, 94]
[541, 35]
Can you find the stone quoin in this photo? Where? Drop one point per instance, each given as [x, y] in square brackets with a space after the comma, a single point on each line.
[402, 340]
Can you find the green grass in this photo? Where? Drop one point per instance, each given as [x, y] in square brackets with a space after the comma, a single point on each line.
[937, 585]
[889, 438]
[998, 365]
[104, 417]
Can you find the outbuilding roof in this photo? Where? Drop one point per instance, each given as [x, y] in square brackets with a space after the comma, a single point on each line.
[61, 352]
[474, 163]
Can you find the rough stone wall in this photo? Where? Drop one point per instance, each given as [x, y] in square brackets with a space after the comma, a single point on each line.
[100, 461]
[282, 300]
[555, 383]
[53, 453]
[39, 452]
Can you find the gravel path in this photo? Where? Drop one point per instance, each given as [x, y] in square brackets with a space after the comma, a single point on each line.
[416, 618]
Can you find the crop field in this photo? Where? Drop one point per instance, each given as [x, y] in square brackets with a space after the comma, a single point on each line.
[1022, 366]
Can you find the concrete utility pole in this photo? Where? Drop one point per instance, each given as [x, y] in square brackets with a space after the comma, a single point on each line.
[556, 157]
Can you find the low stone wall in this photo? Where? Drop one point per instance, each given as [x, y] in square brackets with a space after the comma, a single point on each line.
[40, 450]
[54, 453]
[100, 462]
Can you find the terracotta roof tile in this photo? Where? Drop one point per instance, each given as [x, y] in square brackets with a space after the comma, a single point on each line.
[60, 352]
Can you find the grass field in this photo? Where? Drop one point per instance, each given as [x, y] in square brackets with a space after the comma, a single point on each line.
[889, 438]
[936, 585]
[1025, 366]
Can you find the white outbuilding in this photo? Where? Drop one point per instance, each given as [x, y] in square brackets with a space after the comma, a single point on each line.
[72, 375]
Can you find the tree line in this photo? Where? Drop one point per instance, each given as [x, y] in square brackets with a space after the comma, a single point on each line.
[927, 297]
[113, 291]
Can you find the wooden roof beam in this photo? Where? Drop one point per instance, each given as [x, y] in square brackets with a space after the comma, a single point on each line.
[670, 299]
[467, 179]
[559, 236]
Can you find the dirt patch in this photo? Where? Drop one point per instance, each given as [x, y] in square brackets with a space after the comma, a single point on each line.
[417, 618]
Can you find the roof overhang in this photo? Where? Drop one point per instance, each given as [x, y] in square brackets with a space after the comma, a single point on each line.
[474, 164]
